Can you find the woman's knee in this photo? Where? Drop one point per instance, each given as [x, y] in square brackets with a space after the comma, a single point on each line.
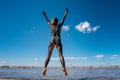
[50, 47]
[59, 46]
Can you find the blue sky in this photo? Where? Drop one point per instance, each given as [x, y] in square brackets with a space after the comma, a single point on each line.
[90, 34]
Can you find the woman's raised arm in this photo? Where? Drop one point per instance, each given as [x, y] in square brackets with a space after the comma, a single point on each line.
[63, 19]
[44, 13]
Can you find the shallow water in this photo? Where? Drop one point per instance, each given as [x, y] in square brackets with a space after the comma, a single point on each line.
[57, 74]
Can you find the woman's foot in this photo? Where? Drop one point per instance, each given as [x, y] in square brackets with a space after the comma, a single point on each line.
[65, 72]
[44, 71]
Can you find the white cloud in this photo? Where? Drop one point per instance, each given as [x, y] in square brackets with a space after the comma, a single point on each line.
[3, 62]
[35, 59]
[95, 28]
[71, 58]
[114, 57]
[99, 56]
[66, 28]
[85, 27]
[75, 58]
[54, 59]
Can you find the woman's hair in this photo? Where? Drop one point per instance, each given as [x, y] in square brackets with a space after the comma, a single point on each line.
[54, 21]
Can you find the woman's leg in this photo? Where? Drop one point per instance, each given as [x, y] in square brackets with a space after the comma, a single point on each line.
[50, 48]
[59, 48]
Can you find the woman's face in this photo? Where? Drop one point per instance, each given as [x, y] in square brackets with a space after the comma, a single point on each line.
[54, 21]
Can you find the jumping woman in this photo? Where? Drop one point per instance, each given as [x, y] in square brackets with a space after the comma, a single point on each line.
[55, 29]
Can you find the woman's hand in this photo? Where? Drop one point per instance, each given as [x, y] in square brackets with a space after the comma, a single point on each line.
[66, 10]
[44, 13]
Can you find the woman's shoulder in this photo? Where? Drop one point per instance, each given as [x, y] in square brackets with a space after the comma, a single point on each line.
[60, 25]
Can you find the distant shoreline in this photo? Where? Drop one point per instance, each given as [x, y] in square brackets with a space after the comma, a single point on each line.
[87, 67]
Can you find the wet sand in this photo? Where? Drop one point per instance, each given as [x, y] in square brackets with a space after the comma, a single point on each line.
[7, 79]
[96, 78]
[57, 74]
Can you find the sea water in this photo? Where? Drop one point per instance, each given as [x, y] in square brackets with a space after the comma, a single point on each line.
[57, 74]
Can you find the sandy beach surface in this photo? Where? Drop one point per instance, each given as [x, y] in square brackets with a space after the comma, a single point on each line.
[57, 74]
